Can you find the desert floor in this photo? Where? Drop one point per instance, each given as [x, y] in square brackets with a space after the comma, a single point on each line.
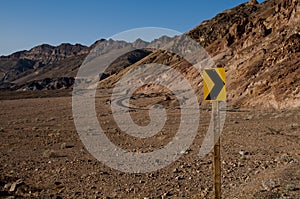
[41, 155]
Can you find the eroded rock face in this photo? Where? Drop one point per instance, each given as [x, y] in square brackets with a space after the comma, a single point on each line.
[258, 44]
[46, 54]
[23, 63]
[49, 84]
[264, 42]
[43, 65]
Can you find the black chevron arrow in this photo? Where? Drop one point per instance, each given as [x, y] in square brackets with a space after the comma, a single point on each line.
[219, 84]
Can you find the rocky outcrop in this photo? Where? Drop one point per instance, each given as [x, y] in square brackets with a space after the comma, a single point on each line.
[20, 64]
[258, 44]
[44, 65]
[49, 84]
[47, 54]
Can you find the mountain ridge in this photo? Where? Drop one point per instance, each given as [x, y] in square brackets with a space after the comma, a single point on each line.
[259, 47]
[37, 65]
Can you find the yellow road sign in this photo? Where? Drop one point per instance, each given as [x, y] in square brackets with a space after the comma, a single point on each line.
[214, 84]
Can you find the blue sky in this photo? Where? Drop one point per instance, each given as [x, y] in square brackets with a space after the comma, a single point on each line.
[28, 23]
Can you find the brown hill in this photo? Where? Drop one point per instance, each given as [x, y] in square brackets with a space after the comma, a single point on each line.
[45, 66]
[258, 44]
[40, 62]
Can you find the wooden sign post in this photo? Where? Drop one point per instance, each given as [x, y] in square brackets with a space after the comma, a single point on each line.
[215, 91]
[217, 155]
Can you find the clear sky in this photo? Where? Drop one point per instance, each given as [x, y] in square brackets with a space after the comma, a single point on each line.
[27, 23]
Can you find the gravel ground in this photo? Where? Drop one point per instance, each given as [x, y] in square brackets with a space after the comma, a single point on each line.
[41, 155]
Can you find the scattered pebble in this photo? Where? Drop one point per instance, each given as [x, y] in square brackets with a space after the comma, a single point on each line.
[290, 187]
[15, 185]
[243, 152]
[50, 154]
[7, 186]
[269, 184]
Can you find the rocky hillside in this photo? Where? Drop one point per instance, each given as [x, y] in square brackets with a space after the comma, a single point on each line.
[258, 44]
[40, 62]
[47, 67]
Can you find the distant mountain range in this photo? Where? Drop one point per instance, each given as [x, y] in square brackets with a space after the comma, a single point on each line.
[54, 67]
[258, 44]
